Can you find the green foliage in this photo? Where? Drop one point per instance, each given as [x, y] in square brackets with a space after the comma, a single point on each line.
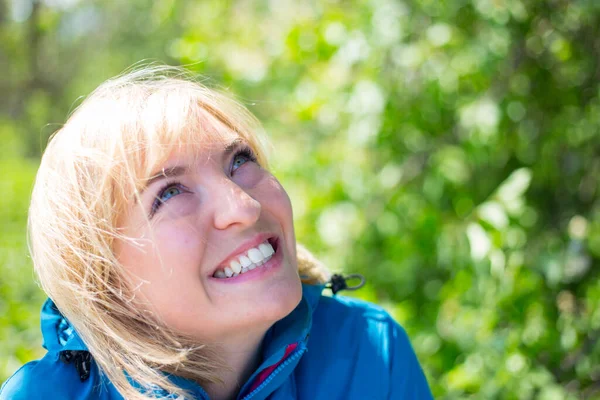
[20, 298]
[449, 151]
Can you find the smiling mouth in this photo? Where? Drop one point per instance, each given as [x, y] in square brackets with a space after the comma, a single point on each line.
[251, 259]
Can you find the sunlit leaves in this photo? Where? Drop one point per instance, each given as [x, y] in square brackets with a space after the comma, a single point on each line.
[447, 150]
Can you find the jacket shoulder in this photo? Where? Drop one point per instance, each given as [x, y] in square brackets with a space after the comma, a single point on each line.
[357, 348]
[349, 347]
[340, 309]
[363, 329]
[20, 385]
[50, 378]
[357, 326]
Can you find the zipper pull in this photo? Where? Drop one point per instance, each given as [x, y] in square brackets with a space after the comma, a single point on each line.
[338, 282]
[82, 359]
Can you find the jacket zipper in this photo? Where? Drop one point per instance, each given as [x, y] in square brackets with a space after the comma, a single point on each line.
[277, 370]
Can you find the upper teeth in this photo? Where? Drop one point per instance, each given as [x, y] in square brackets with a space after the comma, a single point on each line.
[255, 257]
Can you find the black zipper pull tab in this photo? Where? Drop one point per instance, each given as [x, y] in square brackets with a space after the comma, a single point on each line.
[82, 360]
[338, 282]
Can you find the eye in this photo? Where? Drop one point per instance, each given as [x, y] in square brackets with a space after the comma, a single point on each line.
[238, 161]
[165, 194]
[242, 157]
[169, 192]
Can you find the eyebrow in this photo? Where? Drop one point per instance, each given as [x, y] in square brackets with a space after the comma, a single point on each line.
[166, 173]
[234, 144]
[179, 170]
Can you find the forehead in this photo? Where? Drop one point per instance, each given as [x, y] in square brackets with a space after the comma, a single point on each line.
[209, 148]
[192, 134]
[169, 135]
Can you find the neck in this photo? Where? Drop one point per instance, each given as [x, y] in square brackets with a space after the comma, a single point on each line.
[242, 355]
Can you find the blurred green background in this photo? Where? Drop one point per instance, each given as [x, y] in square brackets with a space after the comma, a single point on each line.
[447, 150]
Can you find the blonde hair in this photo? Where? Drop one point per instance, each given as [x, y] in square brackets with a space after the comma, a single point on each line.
[106, 150]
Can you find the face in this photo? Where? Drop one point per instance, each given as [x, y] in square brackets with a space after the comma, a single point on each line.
[218, 257]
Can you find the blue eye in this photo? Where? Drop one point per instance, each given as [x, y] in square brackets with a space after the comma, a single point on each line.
[166, 193]
[242, 157]
[238, 161]
[169, 192]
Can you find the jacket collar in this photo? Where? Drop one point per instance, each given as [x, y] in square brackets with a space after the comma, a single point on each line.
[295, 327]
[59, 335]
[57, 332]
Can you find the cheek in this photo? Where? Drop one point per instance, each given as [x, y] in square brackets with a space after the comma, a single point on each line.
[167, 265]
[180, 246]
[170, 248]
[275, 199]
[182, 206]
[276, 202]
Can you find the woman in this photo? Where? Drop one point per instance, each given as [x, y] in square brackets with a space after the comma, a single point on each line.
[168, 253]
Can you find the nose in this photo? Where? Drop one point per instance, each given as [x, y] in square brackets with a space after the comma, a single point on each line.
[234, 206]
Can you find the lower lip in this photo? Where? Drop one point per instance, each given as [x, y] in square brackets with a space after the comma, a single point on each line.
[257, 273]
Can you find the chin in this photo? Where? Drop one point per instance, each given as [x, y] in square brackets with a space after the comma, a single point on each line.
[294, 296]
[281, 300]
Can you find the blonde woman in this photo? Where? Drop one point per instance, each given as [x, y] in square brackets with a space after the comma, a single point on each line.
[168, 253]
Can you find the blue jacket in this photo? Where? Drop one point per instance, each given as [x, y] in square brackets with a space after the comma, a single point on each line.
[327, 348]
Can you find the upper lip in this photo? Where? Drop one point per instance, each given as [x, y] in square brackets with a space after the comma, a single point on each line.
[243, 248]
